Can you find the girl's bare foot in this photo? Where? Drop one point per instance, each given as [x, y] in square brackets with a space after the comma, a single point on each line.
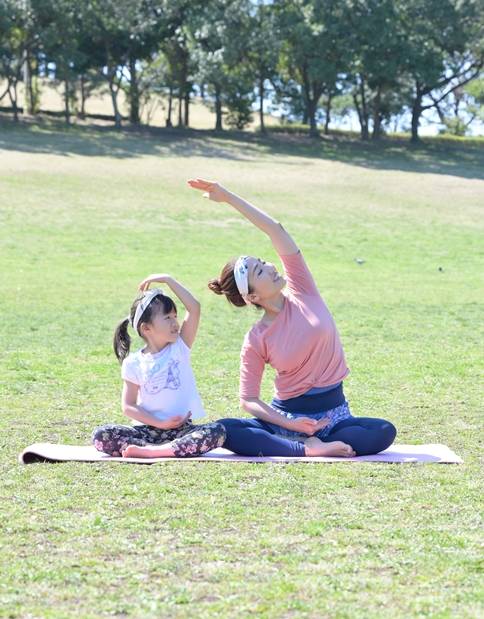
[315, 447]
[148, 451]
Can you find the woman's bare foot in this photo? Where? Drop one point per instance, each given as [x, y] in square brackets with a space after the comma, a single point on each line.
[149, 451]
[315, 447]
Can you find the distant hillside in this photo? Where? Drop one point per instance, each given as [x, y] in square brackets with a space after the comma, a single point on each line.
[51, 99]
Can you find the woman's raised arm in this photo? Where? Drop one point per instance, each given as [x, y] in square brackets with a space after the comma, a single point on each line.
[282, 240]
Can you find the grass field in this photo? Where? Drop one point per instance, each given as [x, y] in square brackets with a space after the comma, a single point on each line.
[85, 214]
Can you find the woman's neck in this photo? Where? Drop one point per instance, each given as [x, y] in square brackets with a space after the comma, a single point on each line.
[272, 308]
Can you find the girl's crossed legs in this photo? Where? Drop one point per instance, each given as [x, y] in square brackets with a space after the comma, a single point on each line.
[149, 442]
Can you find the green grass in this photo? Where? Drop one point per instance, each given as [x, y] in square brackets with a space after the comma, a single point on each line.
[85, 214]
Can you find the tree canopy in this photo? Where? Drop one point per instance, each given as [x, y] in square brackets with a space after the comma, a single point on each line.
[313, 59]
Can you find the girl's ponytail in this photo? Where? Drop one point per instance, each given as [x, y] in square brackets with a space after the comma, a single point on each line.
[122, 341]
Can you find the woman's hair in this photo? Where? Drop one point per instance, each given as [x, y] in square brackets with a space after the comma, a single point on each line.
[161, 304]
[226, 285]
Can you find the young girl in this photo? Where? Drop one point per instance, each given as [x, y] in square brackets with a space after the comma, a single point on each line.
[159, 392]
[296, 335]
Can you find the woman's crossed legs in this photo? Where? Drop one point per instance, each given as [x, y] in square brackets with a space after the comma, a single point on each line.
[365, 435]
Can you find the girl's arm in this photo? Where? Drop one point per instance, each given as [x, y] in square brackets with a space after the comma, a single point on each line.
[282, 240]
[133, 411]
[189, 327]
[261, 410]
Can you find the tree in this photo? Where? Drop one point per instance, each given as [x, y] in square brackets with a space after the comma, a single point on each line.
[16, 36]
[117, 35]
[221, 37]
[312, 32]
[445, 49]
[58, 43]
[378, 59]
[262, 49]
[461, 108]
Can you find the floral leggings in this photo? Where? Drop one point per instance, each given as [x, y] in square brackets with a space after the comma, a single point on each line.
[187, 440]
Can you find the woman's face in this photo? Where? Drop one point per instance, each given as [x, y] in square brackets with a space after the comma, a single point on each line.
[264, 280]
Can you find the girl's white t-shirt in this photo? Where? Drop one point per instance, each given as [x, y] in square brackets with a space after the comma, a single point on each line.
[167, 385]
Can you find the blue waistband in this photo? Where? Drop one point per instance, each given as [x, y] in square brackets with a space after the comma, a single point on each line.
[312, 402]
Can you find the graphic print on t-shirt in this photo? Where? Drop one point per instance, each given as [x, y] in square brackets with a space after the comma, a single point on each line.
[168, 378]
[173, 378]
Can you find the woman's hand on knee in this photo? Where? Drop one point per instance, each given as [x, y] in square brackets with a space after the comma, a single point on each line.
[309, 426]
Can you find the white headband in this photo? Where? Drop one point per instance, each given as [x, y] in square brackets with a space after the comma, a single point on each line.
[241, 274]
[143, 304]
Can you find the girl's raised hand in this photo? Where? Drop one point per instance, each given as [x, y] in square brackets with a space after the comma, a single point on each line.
[159, 278]
[212, 190]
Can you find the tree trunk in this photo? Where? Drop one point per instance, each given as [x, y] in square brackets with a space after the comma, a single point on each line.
[13, 100]
[27, 84]
[202, 91]
[66, 102]
[327, 111]
[169, 124]
[313, 128]
[29, 105]
[376, 116]
[362, 118]
[416, 113]
[114, 98]
[181, 93]
[187, 107]
[133, 94]
[261, 110]
[83, 97]
[218, 108]
[180, 119]
[311, 102]
[111, 76]
[33, 94]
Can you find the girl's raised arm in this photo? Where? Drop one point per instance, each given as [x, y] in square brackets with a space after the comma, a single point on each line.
[189, 327]
[282, 240]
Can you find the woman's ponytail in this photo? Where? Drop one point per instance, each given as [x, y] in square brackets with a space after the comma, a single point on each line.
[226, 285]
[122, 341]
[215, 286]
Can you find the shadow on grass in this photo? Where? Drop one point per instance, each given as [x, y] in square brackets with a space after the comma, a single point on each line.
[54, 137]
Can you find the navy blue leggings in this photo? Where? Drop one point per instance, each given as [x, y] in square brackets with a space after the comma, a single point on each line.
[253, 437]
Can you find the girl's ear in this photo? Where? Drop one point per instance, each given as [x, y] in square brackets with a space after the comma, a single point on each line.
[253, 297]
[145, 328]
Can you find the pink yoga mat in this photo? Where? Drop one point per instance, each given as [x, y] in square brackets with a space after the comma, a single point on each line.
[81, 453]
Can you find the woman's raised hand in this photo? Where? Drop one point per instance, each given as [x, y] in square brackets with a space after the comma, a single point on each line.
[212, 190]
[159, 278]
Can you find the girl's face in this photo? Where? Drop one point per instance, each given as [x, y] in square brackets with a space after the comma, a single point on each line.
[264, 280]
[162, 330]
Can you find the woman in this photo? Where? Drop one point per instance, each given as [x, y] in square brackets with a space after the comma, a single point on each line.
[298, 337]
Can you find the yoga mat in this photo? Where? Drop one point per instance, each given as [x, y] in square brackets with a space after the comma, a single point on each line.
[396, 453]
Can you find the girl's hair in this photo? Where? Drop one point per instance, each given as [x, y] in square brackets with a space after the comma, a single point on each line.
[226, 285]
[161, 304]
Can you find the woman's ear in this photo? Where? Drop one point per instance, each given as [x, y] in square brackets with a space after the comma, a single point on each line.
[253, 298]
